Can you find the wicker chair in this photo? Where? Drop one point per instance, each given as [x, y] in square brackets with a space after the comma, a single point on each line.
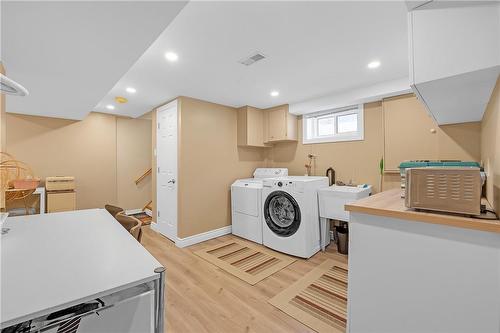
[113, 210]
[131, 224]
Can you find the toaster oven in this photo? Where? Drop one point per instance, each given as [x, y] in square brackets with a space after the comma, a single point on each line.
[452, 189]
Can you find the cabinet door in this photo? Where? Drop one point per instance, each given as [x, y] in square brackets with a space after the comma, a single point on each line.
[251, 127]
[255, 127]
[409, 132]
[277, 124]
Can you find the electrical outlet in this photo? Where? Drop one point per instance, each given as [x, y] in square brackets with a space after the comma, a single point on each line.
[331, 234]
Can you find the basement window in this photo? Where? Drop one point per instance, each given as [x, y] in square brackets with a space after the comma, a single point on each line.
[345, 124]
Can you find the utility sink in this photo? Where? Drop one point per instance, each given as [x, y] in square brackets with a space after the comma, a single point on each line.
[333, 199]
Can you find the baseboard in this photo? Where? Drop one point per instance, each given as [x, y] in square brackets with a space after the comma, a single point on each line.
[191, 240]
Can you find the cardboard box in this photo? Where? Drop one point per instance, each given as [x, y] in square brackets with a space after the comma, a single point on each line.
[61, 201]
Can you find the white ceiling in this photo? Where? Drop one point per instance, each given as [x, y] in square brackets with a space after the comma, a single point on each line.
[313, 49]
[75, 57]
[69, 54]
[339, 99]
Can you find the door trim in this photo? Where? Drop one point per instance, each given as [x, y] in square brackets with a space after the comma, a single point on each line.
[174, 103]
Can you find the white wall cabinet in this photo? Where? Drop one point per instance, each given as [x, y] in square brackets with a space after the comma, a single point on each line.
[455, 60]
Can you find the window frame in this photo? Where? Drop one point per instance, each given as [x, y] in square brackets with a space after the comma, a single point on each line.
[336, 137]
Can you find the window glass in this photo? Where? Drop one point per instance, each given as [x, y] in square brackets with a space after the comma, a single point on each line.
[326, 126]
[344, 124]
[347, 123]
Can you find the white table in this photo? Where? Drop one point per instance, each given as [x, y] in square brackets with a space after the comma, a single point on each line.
[53, 261]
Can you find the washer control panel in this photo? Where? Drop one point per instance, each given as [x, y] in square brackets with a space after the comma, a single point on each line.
[270, 172]
[284, 184]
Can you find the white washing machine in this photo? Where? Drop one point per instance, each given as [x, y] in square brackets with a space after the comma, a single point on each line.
[246, 203]
[291, 216]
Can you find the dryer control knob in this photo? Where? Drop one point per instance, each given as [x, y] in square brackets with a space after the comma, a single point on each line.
[280, 184]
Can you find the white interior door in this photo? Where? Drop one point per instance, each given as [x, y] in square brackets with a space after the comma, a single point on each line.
[166, 159]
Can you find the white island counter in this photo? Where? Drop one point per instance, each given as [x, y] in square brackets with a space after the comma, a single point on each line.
[55, 261]
[412, 271]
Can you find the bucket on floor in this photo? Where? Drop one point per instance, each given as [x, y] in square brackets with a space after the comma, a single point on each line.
[342, 238]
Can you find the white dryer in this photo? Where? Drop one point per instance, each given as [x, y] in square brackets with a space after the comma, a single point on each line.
[291, 216]
[246, 203]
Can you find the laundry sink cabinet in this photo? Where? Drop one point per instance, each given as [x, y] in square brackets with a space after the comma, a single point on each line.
[331, 206]
[333, 199]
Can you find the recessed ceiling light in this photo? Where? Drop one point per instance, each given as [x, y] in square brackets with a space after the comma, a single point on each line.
[374, 64]
[275, 93]
[131, 90]
[110, 107]
[171, 56]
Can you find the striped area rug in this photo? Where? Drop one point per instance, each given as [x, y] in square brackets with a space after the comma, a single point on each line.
[318, 299]
[250, 263]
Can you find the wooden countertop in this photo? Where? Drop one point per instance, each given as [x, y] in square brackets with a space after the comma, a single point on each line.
[389, 203]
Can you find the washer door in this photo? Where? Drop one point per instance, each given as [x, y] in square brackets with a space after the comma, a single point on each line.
[282, 213]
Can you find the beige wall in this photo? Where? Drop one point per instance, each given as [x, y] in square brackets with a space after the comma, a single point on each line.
[209, 161]
[411, 133]
[87, 149]
[359, 160]
[133, 158]
[490, 147]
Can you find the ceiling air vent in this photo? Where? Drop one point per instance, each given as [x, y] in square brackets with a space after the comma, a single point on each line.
[257, 56]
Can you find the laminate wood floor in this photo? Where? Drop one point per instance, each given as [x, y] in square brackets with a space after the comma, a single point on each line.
[201, 297]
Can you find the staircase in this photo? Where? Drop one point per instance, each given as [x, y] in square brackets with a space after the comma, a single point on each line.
[145, 216]
[148, 209]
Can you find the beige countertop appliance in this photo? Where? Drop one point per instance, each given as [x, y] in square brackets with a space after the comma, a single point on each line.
[61, 195]
[445, 189]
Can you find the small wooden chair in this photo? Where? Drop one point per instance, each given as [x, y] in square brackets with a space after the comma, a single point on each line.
[131, 224]
[113, 210]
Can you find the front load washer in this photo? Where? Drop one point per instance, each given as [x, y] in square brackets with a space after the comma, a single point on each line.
[246, 201]
[291, 217]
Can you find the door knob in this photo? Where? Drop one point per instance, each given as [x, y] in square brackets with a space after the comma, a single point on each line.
[171, 181]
